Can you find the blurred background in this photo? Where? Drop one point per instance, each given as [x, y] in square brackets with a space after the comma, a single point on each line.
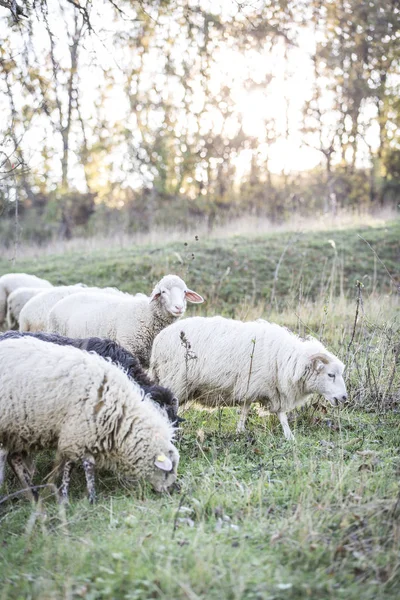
[124, 116]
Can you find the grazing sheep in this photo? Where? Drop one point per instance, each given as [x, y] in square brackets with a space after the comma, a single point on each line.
[118, 355]
[131, 321]
[15, 303]
[86, 408]
[240, 363]
[35, 313]
[12, 281]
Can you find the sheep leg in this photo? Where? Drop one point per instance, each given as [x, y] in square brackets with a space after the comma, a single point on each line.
[66, 478]
[29, 464]
[3, 459]
[243, 416]
[88, 466]
[285, 426]
[24, 474]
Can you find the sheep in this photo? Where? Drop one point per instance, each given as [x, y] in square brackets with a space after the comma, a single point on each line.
[34, 315]
[118, 355]
[12, 281]
[131, 321]
[15, 303]
[86, 408]
[216, 358]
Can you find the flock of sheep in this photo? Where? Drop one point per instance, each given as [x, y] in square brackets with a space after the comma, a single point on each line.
[98, 375]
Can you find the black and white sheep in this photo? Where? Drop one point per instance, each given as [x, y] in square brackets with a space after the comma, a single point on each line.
[119, 356]
[87, 409]
[230, 362]
[131, 321]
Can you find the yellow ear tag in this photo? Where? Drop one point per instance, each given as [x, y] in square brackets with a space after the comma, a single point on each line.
[161, 458]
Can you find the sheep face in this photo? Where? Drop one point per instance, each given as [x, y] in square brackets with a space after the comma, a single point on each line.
[164, 470]
[327, 379]
[157, 461]
[172, 294]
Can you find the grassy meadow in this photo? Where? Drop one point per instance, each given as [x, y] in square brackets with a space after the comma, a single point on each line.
[257, 517]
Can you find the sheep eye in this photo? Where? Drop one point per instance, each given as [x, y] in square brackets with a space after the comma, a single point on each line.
[331, 375]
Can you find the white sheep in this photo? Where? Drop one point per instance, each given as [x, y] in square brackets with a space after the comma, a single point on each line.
[223, 361]
[84, 406]
[34, 315]
[131, 321]
[15, 303]
[12, 281]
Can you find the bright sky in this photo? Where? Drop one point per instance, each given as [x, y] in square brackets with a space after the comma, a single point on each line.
[280, 101]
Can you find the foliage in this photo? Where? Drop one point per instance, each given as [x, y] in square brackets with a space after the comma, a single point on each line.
[138, 103]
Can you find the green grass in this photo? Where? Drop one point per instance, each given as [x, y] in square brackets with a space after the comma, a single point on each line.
[257, 517]
[239, 269]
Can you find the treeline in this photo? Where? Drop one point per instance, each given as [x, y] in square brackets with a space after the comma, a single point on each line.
[124, 116]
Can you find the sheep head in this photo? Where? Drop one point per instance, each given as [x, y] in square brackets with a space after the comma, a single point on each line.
[327, 378]
[171, 293]
[163, 473]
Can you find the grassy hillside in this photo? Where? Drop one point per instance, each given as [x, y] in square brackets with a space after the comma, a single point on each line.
[239, 269]
[257, 517]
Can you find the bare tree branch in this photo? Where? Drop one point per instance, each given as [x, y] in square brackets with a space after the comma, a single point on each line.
[84, 12]
[16, 10]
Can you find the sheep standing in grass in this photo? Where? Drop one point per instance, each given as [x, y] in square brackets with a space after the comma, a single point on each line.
[230, 362]
[12, 281]
[119, 356]
[86, 408]
[35, 313]
[131, 321]
[15, 303]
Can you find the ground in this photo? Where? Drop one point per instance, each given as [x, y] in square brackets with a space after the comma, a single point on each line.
[257, 517]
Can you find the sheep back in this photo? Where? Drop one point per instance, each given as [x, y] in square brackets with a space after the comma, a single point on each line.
[15, 303]
[229, 361]
[129, 321]
[61, 397]
[119, 356]
[11, 281]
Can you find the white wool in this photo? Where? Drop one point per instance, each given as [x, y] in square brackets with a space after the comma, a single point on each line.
[131, 321]
[11, 281]
[60, 397]
[231, 362]
[15, 303]
[34, 315]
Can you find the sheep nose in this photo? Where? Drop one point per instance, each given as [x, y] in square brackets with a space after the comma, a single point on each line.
[178, 308]
[344, 397]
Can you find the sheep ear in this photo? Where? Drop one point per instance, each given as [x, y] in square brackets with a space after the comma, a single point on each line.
[155, 294]
[163, 463]
[318, 361]
[193, 297]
